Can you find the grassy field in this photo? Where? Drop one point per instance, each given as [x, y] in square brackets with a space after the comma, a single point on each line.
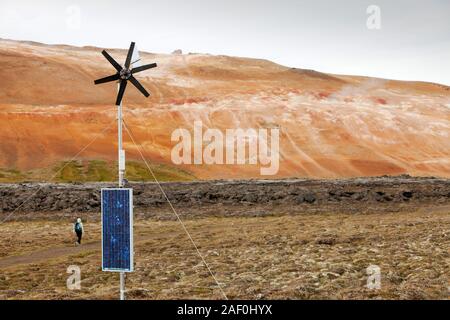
[94, 171]
[299, 256]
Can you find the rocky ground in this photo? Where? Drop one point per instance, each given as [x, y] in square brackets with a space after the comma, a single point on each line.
[233, 198]
[290, 239]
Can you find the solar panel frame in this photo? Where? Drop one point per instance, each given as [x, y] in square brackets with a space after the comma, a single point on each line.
[130, 268]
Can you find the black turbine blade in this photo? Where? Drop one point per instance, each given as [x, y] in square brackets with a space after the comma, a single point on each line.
[123, 85]
[139, 86]
[112, 61]
[107, 79]
[145, 67]
[130, 53]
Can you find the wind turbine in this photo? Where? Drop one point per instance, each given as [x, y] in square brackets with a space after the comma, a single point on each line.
[122, 76]
[125, 74]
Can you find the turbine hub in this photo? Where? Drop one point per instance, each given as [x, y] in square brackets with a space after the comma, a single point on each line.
[125, 74]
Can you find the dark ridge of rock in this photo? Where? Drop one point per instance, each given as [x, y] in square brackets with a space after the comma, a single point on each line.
[362, 195]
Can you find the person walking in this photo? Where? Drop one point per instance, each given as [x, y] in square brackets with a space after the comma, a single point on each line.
[78, 229]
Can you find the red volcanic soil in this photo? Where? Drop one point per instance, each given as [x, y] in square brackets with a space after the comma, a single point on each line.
[380, 101]
[330, 126]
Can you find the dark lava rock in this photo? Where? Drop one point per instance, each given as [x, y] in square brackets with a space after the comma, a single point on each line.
[310, 198]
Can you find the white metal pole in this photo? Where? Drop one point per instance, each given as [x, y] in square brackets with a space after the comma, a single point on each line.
[121, 167]
[121, 157]
[122, 286]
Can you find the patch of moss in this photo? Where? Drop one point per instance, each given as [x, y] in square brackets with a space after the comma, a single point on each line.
[9, 175]
[99, 170]
[69, 171]
[95, 171]
[138, 171]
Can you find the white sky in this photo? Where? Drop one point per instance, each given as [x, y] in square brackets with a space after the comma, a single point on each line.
[324, 35]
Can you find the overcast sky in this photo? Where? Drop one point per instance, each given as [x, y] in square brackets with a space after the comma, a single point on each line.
[326, 35]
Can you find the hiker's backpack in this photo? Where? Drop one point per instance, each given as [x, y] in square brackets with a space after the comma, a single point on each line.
[78, 227]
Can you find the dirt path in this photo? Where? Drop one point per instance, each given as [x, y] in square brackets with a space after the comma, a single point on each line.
[47, 254]
[57, 252]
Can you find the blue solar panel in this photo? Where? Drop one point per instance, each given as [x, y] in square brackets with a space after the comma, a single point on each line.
[117, 230]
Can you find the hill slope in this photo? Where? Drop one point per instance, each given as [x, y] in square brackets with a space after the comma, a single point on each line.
[331, 126]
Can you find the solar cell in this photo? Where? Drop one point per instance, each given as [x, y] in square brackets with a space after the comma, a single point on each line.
[117, 230]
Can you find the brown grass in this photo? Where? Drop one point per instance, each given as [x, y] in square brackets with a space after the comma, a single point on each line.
[289, 257]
